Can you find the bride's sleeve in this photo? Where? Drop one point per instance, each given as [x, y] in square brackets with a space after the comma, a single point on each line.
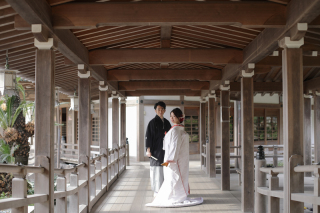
[174, 146]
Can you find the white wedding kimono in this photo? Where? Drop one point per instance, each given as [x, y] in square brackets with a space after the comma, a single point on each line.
[175, 188]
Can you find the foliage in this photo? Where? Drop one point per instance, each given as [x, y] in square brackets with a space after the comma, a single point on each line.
[6, 153]
[7, 117]
[20, 88]
[30, 188]
[4, 195]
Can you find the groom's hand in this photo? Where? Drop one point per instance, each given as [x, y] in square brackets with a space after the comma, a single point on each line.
[148, 153]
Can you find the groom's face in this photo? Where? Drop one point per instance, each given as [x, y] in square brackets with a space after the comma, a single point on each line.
[160, 111]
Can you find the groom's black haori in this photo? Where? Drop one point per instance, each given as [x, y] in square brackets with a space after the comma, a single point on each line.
[154, 136]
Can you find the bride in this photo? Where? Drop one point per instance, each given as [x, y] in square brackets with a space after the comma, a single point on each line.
[175, 188]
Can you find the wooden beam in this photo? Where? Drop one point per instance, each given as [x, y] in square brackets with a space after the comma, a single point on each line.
[258, 86]
[267, 41]
[166, 36]
[313, 84]
[277, 61]
[90, 15]
[159, 85]
[164, 74]
[163, 92]
[116, 56]
[39, 12]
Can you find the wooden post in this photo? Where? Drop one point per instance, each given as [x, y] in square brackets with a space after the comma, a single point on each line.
[292, 72]
[239, 127]
[19, 190]
[211, 146]
[260, 181]
[218, 127]
[307, 158]
[225, 137]
[235, 132]
[44, 123]
[141, 133]
[182, 103]
[202, 131]
[123, 108]
[84, 134]
[71, 128]
[115, 121]
[247, 152]
[316, 127]
[62, 202]
[74, 199]
[103, 109]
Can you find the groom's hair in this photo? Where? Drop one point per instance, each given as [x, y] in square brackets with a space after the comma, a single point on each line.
[160, 103]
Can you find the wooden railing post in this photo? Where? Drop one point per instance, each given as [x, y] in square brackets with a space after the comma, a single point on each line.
[61, 202]
[316, 208]
[127, 155]
[92, 184]
[260, 201]
[74, 199]
[273, 202]
[99, 177]
[19, 190]
[275, 156]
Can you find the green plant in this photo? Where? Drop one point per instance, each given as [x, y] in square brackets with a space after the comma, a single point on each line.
[6, 153]
[7, 117]
[4, 195]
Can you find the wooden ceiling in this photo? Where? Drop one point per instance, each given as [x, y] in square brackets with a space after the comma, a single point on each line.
[140, 58]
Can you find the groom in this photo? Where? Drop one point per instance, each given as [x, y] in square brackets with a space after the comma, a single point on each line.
[154, 144]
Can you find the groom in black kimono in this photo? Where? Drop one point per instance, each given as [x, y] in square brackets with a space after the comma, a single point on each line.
[154, 144]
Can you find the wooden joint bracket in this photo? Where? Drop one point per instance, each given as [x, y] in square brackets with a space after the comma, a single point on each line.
[286, 42]
[40, 32]
[44, 45]
[86, 75]
[298, 31]
[225, 86]
[122, 100]
[114, 94]
[275, 53]
[212, 94]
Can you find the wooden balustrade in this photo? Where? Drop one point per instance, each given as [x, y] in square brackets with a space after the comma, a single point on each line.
[101, 177]
[274, 193]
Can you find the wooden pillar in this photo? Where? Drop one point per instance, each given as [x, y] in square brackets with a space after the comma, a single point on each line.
[292, 72]
[307, 158]
[225, 137]
[103, 123]
[84, 135]
[217, 128]
[115, 121]
[281, 125]
[211, 146]
[202, 130]
[123, 126]
[316, 127]
[141, 134]
[247, 152]
[239, 127]
[235, 132]
[44, 123]
[182, 103]
[123, 121]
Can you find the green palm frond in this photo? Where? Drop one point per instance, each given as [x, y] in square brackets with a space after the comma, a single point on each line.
[15, 116]
[3, 119]
[20, 88]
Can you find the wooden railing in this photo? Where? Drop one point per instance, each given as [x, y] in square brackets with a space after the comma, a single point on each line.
[267, 199]
[104, 170]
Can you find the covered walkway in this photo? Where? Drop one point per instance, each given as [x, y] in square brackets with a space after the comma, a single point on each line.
[132, 191]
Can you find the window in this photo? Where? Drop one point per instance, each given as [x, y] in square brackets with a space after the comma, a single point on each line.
[259, 128]
[95, 130]
[192, 128]
[272, 128]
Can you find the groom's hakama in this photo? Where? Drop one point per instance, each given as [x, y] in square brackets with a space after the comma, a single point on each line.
[154, 140]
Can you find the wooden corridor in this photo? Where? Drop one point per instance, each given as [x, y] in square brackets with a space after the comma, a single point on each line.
[132, 191]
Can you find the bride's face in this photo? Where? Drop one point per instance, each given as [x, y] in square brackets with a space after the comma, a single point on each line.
[174, 119]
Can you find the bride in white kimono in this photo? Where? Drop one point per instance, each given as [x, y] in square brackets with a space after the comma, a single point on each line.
[175, 188]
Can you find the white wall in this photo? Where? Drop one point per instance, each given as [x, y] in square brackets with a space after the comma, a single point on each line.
[131, 128]
[266, 99]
